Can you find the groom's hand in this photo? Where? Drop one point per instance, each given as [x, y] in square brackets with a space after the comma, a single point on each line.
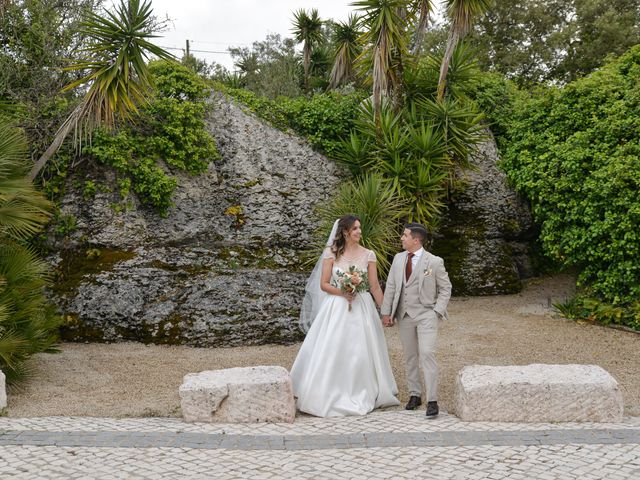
[387, 321]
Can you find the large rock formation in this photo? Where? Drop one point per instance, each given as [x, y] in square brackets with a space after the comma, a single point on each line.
[224, 268]
[485, 233]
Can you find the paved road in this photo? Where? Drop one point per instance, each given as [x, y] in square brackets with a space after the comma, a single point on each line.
[392, 444]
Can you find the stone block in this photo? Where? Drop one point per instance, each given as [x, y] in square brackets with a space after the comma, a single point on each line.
[537, 393]
[3, 391]
[238, 395]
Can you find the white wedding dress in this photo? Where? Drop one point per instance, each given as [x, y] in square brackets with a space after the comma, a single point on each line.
[343, 365]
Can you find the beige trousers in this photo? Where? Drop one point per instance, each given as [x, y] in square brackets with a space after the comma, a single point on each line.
[418, 336]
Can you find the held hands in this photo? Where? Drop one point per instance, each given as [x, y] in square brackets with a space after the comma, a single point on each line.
[387, 321]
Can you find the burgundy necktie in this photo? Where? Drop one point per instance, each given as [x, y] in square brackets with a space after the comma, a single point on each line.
[409, 266]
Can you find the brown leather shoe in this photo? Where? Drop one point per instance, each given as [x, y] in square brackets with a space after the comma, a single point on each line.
[432, 409]
[414, 402]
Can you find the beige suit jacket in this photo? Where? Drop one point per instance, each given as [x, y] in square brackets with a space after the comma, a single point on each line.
[434, 287]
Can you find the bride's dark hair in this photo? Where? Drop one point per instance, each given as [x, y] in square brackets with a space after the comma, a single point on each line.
[345, 224]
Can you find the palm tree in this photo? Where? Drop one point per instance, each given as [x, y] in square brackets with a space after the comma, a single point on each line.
[345, 39]
[22, 209]
[307, 29]
[461, 13]
[115, 70]
[385, 37]
[27, 325]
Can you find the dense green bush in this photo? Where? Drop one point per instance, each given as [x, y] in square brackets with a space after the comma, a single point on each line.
[263, 107]
[323, 119]
[575, 153]
[497, 98]
[171, 128]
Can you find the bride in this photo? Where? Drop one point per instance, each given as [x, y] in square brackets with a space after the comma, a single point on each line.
[343, 366]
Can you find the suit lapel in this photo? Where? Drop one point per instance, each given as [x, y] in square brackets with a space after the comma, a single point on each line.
[422, 265]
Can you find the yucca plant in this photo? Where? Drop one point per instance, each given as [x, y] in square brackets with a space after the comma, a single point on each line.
[307, 29]
[461, 14]
[355, 153]
[413, 152]
[115, 70]
[385, 42]
[424, 191]
[347, 49]
[27, 324]
[459, 124]
[415, 143]
[421, 81]
[380, 210]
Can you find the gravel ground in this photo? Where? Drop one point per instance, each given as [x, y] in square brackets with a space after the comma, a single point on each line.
[134, 380]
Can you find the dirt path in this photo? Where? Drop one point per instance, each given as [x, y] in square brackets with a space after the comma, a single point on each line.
[132, 379]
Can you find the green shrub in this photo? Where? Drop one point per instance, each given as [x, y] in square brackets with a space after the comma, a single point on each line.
[593, 309]
[171, 128]
[497, 98]
[264, 108]
[575, 153]
[323, 119]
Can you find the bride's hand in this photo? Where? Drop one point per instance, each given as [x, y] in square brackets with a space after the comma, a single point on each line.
[349, 296]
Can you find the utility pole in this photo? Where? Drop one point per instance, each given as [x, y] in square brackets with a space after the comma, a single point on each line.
[187, 48]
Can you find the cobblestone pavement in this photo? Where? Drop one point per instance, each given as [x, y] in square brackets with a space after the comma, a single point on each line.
[385, 444]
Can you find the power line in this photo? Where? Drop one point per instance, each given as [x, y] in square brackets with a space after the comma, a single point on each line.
[199, 51]
[220, 43]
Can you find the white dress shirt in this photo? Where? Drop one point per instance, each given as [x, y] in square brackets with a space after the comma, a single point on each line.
[416, 257]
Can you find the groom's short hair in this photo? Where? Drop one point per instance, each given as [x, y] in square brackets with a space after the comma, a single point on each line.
[417, 230]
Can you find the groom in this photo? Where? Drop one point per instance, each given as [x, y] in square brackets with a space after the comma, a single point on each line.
[417, 293]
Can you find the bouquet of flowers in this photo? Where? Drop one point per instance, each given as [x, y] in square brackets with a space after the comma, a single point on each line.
[353, 280]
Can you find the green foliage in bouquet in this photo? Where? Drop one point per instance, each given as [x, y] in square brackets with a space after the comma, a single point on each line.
[170, 128]
[575, 153]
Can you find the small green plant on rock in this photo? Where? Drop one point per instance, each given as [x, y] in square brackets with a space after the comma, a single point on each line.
[65, 224]
[89, 190]
[93, 253]
[170, 128]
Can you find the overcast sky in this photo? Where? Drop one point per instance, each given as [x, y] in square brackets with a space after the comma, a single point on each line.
[215, 25]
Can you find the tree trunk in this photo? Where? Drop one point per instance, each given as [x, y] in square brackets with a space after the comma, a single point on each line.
[421, 27]
[446, 59]
[307, 64]
[61, 134]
